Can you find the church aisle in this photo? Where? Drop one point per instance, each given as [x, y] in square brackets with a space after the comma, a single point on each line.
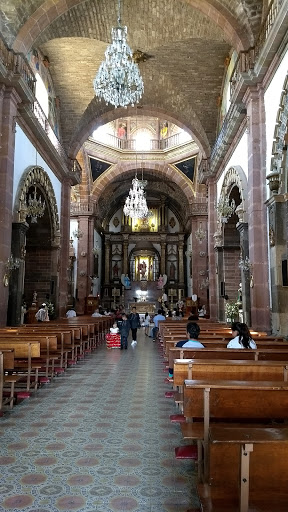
[97, 439]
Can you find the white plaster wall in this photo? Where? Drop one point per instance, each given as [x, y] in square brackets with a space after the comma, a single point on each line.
[272, 101]
[239, 157]
[25, 155]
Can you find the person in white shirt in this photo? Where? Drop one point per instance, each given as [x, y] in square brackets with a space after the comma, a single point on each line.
[156, 319]
[193, 331]
[114, 329]
[241, 337]
[147, 323]
[70, 313]
[42, 314]
[96, 313]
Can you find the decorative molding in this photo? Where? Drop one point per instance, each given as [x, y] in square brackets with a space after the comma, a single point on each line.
[36, 176]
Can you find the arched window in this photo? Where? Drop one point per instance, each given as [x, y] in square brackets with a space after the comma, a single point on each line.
[142, 140]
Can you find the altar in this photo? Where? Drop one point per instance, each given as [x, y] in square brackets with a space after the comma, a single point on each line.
[143, 307]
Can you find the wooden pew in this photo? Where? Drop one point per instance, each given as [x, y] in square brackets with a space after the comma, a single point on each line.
[228, 370]
[65, 336]
[9, 380]
[239, 401]
[259, 354]
[49, 348]
[24, 351]
[253, 463]
[261, 344]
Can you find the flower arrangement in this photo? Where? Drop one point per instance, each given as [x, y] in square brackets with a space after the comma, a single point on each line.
[231, 310]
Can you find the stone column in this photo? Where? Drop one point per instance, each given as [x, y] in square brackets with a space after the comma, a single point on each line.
[107, 259]
[257, 215]
[163, 256]
[16, 281]
[64, 261]
[219, 273]
[181, 262]
[199, 258]
[245, 274]
[125, 254]
[83, 280]
[211, 229]
[9, 100]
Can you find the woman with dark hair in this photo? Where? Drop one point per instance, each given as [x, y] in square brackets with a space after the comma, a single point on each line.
[193, 331]
[241, 337]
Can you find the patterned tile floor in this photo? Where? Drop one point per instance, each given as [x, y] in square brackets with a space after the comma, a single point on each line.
[97, 439]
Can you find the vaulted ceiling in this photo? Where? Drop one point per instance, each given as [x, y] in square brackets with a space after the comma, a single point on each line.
[188, 39]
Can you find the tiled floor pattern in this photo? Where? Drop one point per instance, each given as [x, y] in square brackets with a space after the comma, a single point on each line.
[97, 439]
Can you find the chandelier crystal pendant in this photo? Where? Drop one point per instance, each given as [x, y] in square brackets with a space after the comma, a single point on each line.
[35, 207]
[225, 209]
[118, 80]
[135, 205]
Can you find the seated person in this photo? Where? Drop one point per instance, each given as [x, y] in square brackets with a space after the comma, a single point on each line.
[114, 329]
[202, 311]
[193, 331]
[96, 313]
[241, 337]
[156, 319]
[70, 313]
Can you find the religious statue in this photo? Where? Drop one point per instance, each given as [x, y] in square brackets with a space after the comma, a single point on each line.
[115, 270]
[160, 283]
[172, 270]
[239, 295]
[142, 269]
[34, 297]
[127, 281]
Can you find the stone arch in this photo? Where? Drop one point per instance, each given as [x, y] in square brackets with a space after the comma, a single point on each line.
[165, 170]
[47, 13]
[235, 176]
[35, 175]
[97, 115]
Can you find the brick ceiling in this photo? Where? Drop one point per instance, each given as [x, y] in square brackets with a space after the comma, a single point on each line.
[189, 41]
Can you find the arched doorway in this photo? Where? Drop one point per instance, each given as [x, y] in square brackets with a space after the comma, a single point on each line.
[36, 241]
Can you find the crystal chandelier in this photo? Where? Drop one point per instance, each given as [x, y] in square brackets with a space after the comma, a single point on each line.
[118, 80]
[135, 205]
[78, 233]
[225, 209]
[12, 264]
[35, 207]
[245, 264]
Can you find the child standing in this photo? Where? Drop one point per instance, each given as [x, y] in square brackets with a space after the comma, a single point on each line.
[147, 323]
[124, 330]
[113, 338]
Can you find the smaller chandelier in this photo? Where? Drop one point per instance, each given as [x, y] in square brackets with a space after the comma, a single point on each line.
[118, 80]
[225, 209]
[135, 205]
[77, 233]
[35, 207]
[12, 264]
[245, 264]
[200, 235]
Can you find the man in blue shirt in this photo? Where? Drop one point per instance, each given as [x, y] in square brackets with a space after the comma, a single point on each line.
[156, 320]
